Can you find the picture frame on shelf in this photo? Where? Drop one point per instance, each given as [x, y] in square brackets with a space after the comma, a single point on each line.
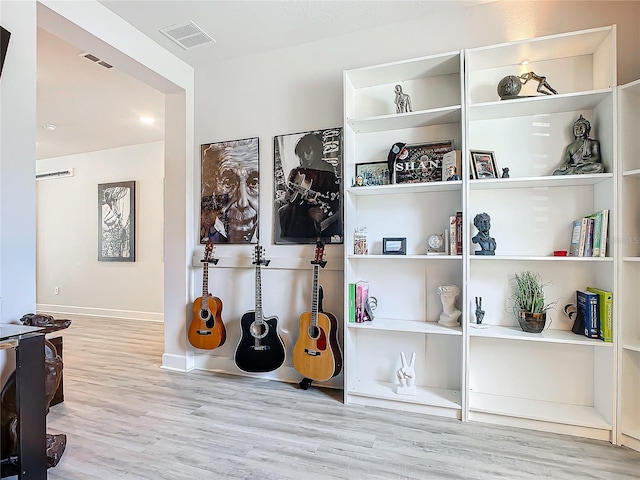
[373, 173]
[422, 163]
[394, 246]
[483, 164]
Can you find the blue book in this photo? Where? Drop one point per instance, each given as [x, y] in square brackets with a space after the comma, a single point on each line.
[587, 303]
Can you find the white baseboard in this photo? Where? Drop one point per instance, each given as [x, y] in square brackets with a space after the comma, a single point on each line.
[176, 363]
[99, 312]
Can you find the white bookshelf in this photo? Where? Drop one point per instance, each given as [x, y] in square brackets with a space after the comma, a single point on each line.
[404, 285]
[531, 216]
[554, 381]
[628, 305]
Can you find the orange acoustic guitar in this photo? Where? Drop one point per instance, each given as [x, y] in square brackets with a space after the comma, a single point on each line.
[316, 354]
[207, 329]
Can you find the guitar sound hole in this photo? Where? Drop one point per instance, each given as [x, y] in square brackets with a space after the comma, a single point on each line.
[259, 329]
[314, 332]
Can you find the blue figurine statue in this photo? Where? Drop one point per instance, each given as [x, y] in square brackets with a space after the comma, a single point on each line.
[482, 221]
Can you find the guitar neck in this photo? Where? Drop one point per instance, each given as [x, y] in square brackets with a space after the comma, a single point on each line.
[258, 310]
[315, 295]
[205, 286]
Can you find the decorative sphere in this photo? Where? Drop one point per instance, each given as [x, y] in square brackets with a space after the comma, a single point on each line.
[509, 86]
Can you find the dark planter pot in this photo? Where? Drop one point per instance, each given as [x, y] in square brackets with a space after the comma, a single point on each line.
[532, 322]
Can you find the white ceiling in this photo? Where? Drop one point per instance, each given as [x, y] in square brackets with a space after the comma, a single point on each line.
[95, 108]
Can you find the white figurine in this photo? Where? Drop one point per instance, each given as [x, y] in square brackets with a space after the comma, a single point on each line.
[450, 314]
[406, 376]
[402, 101]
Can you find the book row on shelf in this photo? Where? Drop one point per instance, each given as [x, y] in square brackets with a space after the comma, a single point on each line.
[594, 313]
[589, 235]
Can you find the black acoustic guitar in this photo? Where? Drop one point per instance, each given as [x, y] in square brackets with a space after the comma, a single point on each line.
[260, 349]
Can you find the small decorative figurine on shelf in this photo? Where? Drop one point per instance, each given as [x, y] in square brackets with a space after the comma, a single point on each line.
[482, 221]
[583, 154]
[452, 173]
[479, 311]
[402, 101]
[505, 172]
[359, 181]
[406, 376]
[450, 314]
[509, 87]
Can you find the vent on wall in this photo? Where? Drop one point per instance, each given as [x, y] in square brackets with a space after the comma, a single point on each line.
[95, 59]
[58, 174]
[187, 35]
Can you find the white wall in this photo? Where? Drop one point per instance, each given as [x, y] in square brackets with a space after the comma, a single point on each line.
[300, 88]
[67, 236]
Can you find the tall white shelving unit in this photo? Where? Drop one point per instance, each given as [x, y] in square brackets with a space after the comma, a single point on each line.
[629, 274]
[404, 285]
[554, 381]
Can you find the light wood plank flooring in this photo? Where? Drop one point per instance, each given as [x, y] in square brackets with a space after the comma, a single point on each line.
[128, 419]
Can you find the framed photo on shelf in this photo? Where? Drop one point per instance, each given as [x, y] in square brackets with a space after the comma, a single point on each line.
[374, 173]
[423, 162]
[394, 246]
[483, 164]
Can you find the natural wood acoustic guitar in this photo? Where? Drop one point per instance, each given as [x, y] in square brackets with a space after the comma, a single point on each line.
[316, 354]
[207, 328]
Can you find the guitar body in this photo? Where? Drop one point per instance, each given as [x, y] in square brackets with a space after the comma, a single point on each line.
[316, 354]
[260, 349]
[207, 330]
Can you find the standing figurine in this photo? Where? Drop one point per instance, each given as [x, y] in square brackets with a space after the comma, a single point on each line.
[479, 311]
[403, 101]
[406, 376]
[583, 154]
[505, 172]
[482, 221]
[450, 314]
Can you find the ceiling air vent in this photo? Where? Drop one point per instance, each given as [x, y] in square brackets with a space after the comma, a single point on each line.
[187, 35]
[95, 59]
[58, 174]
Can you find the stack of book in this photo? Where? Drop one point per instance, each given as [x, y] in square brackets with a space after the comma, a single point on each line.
[589, 235]
[358, 298]
[595, 313]
[454, 246]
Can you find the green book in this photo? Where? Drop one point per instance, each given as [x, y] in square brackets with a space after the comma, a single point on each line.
[597, 232]
[352, 303]
[605, 312]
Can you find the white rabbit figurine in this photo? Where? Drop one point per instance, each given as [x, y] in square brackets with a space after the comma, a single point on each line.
[406, 376]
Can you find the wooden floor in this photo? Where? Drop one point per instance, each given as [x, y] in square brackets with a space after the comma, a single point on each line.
[126, 418]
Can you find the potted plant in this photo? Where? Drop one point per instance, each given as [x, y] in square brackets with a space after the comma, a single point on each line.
[529, 304]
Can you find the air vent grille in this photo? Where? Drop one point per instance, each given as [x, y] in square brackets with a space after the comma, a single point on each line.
[187, 35]
[57, 174]
[95, 59]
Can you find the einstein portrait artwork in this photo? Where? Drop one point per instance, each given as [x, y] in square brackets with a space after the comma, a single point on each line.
[230, 190]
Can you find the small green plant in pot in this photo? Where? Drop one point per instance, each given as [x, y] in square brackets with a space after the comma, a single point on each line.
[529, 304]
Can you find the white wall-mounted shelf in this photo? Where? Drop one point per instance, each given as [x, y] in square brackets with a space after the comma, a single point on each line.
[547, 336]
[407, 326]
[540, 182]
[423, 118]
[406, 188]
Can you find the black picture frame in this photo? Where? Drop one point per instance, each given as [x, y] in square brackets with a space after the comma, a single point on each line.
[372, 173]
[483, 164]
[394, 246]
[117, 222]
[302, 184]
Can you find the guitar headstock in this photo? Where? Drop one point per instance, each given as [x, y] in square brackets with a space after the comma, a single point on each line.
[208, 254]
[258, 256]
[319, 258]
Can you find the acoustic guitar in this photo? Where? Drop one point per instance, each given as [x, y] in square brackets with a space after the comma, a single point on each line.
[207, 329]
[316, 354]
[260, 348]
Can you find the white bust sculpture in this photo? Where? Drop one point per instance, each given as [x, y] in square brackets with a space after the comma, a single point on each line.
[450, 314]
[406, 376]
